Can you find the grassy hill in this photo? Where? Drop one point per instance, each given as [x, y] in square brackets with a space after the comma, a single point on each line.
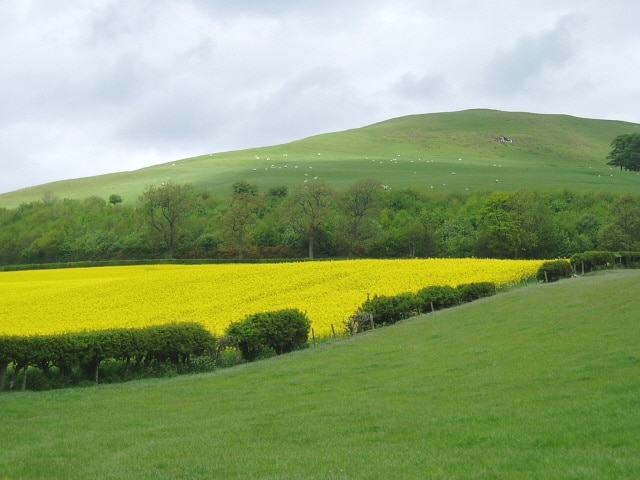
[538, 382]
[454, 151]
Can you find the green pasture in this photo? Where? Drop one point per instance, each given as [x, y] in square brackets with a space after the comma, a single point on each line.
[538, 382]
[451, 152]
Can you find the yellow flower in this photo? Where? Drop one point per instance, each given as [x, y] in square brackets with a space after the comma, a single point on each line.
[66, 300]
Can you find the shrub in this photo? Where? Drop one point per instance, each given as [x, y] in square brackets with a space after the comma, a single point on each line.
[554, 270]
[85, 352]
[176, 342]
[38, 380]
[280, 331]
[390, 309]
[630, 259]
[468, 292]
[200, 364]
[229, 357]
[437, 297]
[589, 261]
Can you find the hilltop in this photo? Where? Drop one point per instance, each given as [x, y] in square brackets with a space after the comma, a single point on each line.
[457, 151]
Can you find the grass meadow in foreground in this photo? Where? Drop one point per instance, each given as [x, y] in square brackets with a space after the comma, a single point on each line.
[537, 382]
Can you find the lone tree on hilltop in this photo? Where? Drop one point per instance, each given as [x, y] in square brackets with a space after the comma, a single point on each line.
[114, 199]
[625, 152]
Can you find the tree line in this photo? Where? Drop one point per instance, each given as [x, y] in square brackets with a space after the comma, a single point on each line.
[314, 220]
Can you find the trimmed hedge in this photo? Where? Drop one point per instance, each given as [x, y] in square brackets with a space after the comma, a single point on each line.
[386, 310]
[598, 260]
[389, 309]
[629, 259]
[554, 270]
[468, 292]
[264, 334]
[85, 351]
[437, 297]
[589, 261]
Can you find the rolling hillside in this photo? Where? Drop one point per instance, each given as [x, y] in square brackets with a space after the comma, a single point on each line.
[538, 382]
[458, 151]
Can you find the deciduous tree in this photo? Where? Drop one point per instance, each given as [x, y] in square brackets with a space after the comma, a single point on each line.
[308, 209]
[115, 199]
[358, 205]
[241, 216]
[165, 208]
[625, 152]
[624, 231]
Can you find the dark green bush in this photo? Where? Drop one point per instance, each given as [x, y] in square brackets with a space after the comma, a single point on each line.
[175, 342]
[437, 297]
[229, 357]
[280, 331]
[630, 259]
[58, 358]
[386, 310]
[589, 261]
[247, 335]
[468, 292]
[39, 380]
[199, 364]
[390, 309]
[554, 270]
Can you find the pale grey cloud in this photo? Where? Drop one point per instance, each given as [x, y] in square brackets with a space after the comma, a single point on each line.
[314, 101]
[110, 85]
[533, 56]
[414, 88]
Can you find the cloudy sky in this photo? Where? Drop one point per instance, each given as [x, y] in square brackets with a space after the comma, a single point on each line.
[97, 86]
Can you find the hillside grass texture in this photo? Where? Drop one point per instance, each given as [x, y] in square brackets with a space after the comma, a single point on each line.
[538, 382]
[446, 152]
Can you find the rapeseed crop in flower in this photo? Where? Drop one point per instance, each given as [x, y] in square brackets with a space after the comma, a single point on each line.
[68, 300]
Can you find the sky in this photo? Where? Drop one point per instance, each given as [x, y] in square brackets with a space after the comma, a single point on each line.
[98, 86]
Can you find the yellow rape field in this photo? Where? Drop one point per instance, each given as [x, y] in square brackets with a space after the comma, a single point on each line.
[56, 301]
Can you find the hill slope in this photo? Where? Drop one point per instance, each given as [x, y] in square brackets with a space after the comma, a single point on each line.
[539, 382]
[546, 152]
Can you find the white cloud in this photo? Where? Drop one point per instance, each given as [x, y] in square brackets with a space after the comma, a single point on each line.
[109, 85]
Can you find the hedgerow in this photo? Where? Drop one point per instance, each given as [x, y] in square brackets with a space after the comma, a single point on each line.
[554, 270]
[386, 310]
[595, 260]
[83, 353]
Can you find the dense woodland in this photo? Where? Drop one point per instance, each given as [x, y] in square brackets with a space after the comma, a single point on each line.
[315, 221]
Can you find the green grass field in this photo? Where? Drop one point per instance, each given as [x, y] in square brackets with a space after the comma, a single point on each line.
[449, 152]
[538, 382]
